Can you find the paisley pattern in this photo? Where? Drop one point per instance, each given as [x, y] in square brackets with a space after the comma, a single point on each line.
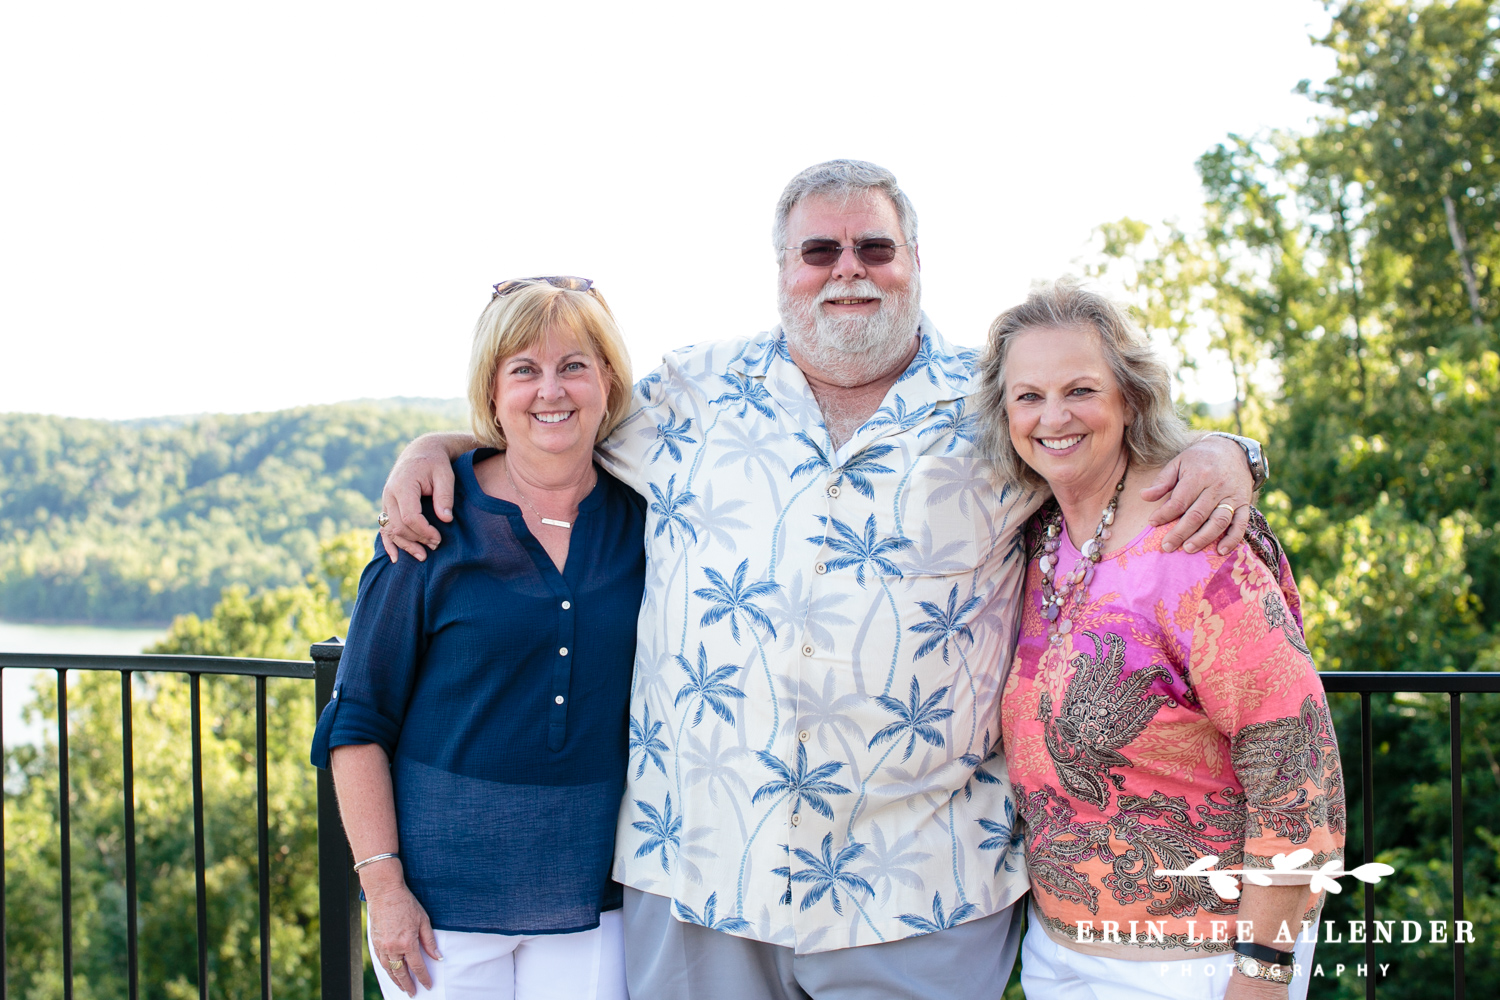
[1284, 765]
[1182, 717]
[815, 711]
[1278, 618]
[1099, 714]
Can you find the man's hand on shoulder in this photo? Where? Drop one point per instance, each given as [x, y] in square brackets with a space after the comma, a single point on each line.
[1201, 485]
[424, 468]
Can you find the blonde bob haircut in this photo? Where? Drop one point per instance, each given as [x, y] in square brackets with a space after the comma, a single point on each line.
[523, 318]
[1155, 434]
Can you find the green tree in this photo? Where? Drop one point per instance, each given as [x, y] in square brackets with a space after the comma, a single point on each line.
[279, 623]
[1358, 260]
[144, 520]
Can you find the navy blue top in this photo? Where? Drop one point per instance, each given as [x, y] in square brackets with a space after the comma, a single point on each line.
[499, 689]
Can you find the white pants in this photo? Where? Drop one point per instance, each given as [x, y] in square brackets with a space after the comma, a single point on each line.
[1050, 971]
[584, 965]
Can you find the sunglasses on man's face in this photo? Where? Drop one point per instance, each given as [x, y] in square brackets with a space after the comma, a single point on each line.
[564, 281]
[825, 253]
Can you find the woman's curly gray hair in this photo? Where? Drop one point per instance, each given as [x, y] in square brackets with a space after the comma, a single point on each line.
[1155, 434]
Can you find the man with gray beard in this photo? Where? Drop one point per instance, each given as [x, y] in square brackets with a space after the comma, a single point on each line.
[815, 804]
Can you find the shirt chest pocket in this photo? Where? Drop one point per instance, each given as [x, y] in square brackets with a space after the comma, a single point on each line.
[953, 515]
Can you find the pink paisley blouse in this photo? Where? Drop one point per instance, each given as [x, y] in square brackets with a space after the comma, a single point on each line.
[1181, 717]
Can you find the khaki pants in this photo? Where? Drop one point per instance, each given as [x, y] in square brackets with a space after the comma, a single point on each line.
[667, 959]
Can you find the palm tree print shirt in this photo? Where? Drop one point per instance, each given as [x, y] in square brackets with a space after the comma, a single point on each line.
[817, 676]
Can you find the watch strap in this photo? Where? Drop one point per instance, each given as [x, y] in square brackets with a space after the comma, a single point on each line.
[1255, 456]
[1264, 953]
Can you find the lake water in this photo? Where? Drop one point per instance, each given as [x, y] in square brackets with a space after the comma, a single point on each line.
[18, 638]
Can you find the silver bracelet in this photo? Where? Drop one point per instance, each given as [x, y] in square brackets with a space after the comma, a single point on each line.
[1254, 969]
[1255, 456]
[374, 858]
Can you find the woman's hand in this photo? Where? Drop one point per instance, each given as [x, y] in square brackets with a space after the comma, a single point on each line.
[423, 469]
[399, 930]
[1209, 473]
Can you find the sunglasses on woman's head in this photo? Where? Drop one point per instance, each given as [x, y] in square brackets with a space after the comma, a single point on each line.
[825, 253]
[564, 281]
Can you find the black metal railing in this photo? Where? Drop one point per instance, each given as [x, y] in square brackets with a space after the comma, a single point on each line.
[342, 973]
[338, 889]
[342, 955]
[1455, 686]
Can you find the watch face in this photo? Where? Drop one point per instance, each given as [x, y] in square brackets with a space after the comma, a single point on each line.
[1250, 967]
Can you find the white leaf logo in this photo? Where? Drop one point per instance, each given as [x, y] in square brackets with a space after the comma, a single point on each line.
[1227, 886]
[1291, 862]
[1324, 879]
[1372, 872]
[1327, 877]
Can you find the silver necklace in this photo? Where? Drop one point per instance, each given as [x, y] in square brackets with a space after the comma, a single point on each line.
[545, 520]
[1076, 584]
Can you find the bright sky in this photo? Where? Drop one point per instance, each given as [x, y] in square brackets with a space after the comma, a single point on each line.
[216, 207]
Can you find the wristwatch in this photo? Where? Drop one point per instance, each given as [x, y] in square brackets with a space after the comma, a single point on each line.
[1260, 962]
[1260, 468]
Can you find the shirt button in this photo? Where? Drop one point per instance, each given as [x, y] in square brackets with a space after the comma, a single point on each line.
[558, 699]
[807, 650]
[567, 605]
[820, 568]
[334, 695]
[563, 651]
[833, 491]
[796, 819]
[804, 736]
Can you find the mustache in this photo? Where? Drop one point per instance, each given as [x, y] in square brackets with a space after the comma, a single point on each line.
[861, 289]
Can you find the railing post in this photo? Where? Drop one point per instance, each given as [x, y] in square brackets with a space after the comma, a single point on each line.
[338, 887]
[1367, 807]
[1456, 764]
[65, 833]
[4, 772]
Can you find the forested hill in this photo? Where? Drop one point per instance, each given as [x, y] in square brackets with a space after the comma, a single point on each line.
[136, 522]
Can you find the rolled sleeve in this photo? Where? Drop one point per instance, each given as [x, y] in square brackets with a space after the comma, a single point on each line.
[1256, 681]
[378, 668]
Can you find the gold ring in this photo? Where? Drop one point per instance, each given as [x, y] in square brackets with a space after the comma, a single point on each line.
[395, 964]
[1227, 506]
[383, 519]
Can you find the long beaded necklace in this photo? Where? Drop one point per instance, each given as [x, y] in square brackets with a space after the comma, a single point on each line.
[1075, 585]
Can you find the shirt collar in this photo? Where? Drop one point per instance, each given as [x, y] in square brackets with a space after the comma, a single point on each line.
[937, 376]
[939, 372]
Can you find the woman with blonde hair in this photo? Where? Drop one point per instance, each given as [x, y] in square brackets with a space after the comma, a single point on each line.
[477, 731]
[1161, 707]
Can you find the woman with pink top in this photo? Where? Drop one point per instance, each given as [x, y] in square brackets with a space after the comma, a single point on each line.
[1162, 707]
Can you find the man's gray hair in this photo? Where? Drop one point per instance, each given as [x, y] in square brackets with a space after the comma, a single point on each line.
[842, 178]
[1155, 434]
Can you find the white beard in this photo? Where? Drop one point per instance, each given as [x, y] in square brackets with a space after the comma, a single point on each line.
[852, 350]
